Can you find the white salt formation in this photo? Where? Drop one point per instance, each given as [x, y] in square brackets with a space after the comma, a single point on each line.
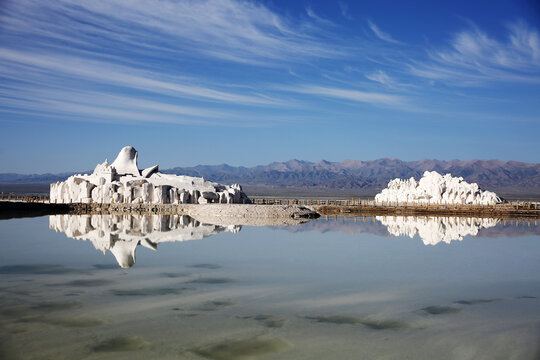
[433, 188]
[123, 182]
[433, 230]
[121, 234]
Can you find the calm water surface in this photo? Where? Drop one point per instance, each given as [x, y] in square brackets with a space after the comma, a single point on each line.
[162, 287]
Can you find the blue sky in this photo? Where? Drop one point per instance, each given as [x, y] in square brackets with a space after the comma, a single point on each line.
[251, 82]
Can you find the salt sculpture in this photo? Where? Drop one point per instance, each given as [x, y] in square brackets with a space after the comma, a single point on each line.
[123, 182]
[434, 188]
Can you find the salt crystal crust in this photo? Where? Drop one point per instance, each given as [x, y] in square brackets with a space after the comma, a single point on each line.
[434, 188]
[123, 182]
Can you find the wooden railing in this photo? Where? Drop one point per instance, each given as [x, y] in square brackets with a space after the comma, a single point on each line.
[367, 203]
[22, 198]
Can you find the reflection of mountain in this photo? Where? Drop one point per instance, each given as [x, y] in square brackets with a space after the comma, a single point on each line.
[349, 226]
[514, 229]
[432, 230]
[121, 234]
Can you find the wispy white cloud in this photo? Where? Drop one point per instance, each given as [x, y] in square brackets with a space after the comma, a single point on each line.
[98, 106]
[185, 60]
[18, 64]
[232, 30]
[63, 53]
[102, 106]
[393, 82]
[373, 98]
[345, 12]
[473, 58]
[293, 73]
[382, 78]
[311, 13]
[68, 87]
[381, 34]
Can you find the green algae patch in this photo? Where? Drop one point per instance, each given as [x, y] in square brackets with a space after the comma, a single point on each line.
[27, 293]
[16, 311]
[214, 305]
[207, 266]
[440, 310]
[148, 292]
[70, 322]
[384, 324]
[48, 306]
[121, 343]
[353, 320]
[274, 323]
[173, 275]
[340, 320]
[39, 270]
[22, 311]
[89, 283]
[242, 349]
[475, 301]
[105, 266]
[270, 321]
[211, 280]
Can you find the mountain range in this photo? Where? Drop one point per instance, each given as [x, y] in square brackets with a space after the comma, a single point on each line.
[365, 177]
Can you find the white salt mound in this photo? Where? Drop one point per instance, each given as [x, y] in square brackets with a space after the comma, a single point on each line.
[435, 188]
[123, 182]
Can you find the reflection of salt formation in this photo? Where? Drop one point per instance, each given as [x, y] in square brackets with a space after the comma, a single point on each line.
[123, 182]
[433, 230]
[434, 188]
[122, 233]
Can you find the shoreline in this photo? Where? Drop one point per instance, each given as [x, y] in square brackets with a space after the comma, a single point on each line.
[241, 213]
[430, 211]
[256, 213]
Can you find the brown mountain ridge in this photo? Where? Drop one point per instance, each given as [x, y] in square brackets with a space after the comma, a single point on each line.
[356, 176]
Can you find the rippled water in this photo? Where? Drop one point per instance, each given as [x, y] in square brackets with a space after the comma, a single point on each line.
[169, 287]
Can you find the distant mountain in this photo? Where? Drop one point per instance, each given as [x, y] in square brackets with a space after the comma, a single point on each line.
[371, 176]
[355, 175]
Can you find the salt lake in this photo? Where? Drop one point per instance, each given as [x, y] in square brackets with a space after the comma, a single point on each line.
[170, 287]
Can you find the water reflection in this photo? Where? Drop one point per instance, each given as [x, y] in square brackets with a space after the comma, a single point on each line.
[269, 294]
[432, 230]
[121, 234]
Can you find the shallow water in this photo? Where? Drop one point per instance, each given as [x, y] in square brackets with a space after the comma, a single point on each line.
[171, 288]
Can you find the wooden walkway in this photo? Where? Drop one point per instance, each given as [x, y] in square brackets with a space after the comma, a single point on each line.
[361, 206]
